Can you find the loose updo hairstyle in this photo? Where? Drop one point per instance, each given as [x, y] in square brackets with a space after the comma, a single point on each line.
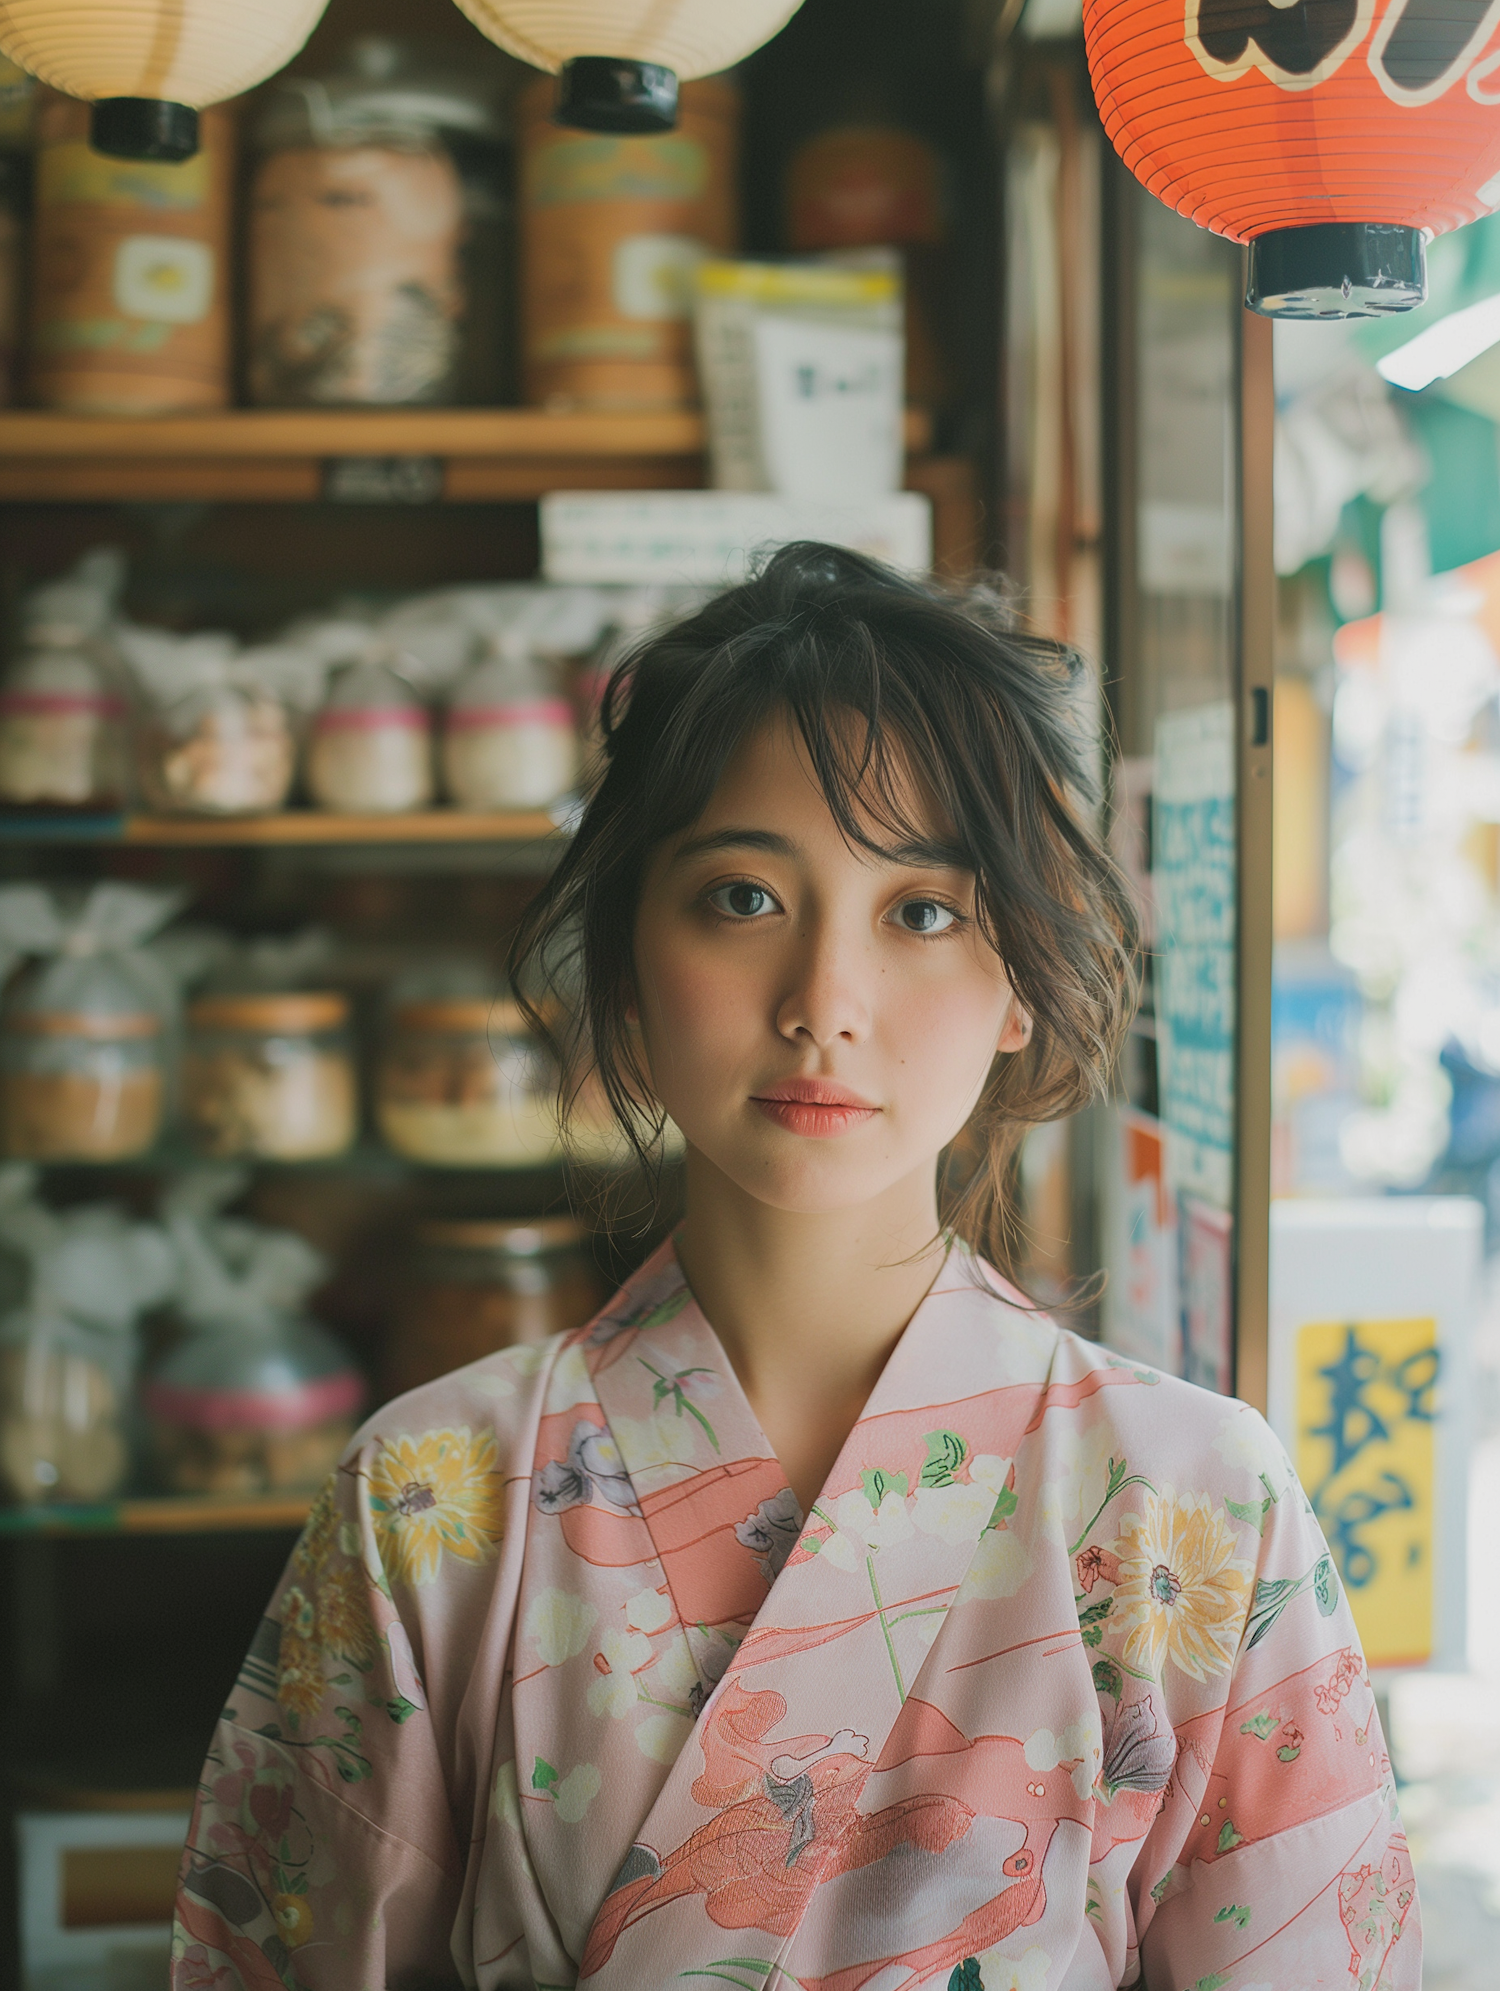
[896, 686]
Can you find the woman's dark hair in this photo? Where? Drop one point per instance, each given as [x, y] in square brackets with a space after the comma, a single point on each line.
[996, 727]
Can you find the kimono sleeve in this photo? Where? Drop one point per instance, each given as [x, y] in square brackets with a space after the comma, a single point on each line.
[324, 1851]
[1279, 1850]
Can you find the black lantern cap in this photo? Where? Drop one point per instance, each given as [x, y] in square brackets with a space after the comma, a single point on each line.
[616, 93]
[1337, 269]
[144, 128]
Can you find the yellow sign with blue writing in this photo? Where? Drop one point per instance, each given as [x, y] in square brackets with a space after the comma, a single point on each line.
[1366, 1415]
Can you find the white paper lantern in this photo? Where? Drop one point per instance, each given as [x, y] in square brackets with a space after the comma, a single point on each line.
[621, 60]
[149, 66]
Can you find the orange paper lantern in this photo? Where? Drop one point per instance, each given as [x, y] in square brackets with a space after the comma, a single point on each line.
[1336, 137]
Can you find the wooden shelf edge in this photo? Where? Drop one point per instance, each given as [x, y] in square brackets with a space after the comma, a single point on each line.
[316, 432]
[167, 1514]
[290, 827]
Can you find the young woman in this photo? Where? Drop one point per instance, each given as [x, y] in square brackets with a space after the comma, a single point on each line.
[821, 1615]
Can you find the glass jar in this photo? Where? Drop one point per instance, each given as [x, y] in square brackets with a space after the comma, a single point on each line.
[223, 750]
[63, 1394]
[509, 740]
[270, 1076]
[463, 1084]
[252, 1406]
[79, 1085]
[379, 234]
[371, 750]
[474, 1287]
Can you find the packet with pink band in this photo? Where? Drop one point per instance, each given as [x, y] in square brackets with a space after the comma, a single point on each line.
[62, 716]
[257, 1397]
[371, 748]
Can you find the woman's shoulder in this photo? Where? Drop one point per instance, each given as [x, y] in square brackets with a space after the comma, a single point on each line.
[500, 1394]
[1195, 1437]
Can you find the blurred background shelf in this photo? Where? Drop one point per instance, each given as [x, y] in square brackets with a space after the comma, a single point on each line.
[291, 826]
[277, 456]
[170, 1514]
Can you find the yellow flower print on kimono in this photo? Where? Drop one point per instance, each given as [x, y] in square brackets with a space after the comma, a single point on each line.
[1183, 1588]
[1033, 1698]
[440, 1493]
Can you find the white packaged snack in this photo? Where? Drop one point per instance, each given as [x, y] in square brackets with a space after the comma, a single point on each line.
[802, 367]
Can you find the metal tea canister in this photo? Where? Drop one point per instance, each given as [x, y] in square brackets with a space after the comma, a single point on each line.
[130, 272]
[612, 229]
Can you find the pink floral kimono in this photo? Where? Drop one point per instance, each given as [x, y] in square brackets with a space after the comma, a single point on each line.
[1055, 1686]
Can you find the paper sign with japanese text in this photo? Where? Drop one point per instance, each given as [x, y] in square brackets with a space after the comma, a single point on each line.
[1366, 1410]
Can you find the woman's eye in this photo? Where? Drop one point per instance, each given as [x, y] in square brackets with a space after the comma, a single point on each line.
[742, 901]
[925, 916]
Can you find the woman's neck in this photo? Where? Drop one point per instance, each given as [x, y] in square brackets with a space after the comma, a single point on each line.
[808, 1306]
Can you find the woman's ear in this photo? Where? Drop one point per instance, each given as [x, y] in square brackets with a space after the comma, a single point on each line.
[1016, 1034]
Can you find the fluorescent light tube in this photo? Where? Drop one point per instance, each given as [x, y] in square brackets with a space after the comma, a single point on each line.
[1441, 349]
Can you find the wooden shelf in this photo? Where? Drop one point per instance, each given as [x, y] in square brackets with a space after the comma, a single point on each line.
[291, 826]
[268, 456]
[172, 1514]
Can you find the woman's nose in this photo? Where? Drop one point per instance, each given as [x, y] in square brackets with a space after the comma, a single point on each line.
[827, 997]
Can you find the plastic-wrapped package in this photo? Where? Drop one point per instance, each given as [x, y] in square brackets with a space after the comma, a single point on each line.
[371, 749]
[631, 613]
[509, 737]
[439, 635]
[215, 738]
[68, 1353]
[257, 1397]
[83, 1028]
[62, 716]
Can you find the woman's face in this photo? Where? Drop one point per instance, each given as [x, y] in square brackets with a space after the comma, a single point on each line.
[819, 1021]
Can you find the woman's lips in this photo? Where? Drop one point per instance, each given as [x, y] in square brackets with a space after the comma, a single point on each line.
[814, 1106]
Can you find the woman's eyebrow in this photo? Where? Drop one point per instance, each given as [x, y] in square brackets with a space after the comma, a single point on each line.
[930, 856]
[736, 838]
[925, 853]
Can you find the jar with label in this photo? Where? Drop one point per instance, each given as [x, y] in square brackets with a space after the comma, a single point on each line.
[81, 1032]
[129, 305]
[379, 226]
[509, 738]
[473, 1287]
[612, 229]
[270, 1077]
[79, 1084]
[252, 1405]
[462, 1083]
[371, 749]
